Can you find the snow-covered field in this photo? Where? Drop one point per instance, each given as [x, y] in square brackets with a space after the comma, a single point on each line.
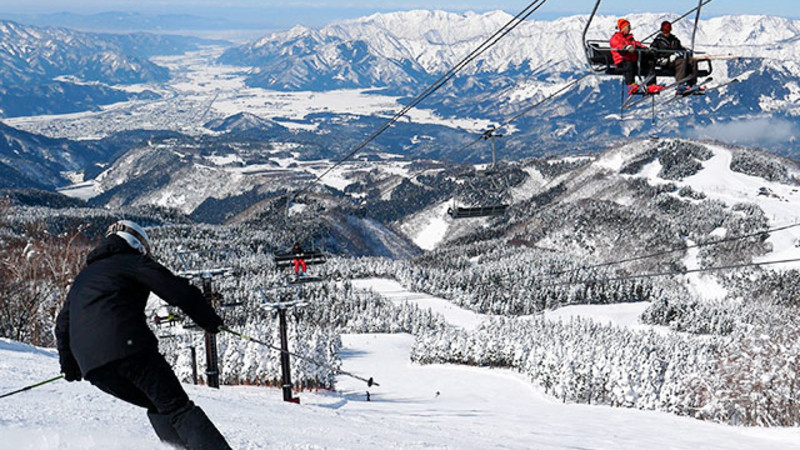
[431, 407]
[202, 90]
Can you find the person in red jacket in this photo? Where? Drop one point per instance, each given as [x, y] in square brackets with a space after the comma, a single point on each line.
[626, 52]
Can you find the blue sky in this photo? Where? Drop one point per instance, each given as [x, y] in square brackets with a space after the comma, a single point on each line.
[285, 13]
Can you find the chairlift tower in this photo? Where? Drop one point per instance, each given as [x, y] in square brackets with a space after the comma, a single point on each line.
[206, 275]
[280, 309]
[491, 134]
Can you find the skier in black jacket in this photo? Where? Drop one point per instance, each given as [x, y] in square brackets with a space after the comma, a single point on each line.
[673, 54]
[102, 335]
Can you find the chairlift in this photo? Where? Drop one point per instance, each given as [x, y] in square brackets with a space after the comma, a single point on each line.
[600, 59]
[310, 257]
[205, 264]
[169, 319]
[464, 212]
[488, 209]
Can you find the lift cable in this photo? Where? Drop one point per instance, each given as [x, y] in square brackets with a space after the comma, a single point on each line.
[520, 114]
[667, 252]
[488, 43]
[370, 381]
[669, 273]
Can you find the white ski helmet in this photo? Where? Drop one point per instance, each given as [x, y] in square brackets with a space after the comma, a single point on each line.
[133, 234]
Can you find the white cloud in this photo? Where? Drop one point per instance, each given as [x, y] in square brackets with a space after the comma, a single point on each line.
[750, 132]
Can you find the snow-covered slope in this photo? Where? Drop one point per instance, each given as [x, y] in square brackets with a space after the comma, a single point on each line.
[730, 175]
[717, 180]
[435, 406]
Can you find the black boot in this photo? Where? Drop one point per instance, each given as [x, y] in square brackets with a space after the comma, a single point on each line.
[196, 430]
[162, 424]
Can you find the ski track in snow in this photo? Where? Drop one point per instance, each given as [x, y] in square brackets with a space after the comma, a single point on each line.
[449, 396]
[415, 407]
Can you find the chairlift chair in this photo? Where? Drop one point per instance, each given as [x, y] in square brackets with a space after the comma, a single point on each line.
[463, 212]
[311, 257]
[169, 319]
[487, 209]
[598, 54]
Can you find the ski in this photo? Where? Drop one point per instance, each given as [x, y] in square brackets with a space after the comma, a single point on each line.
[689, 93]
[711, 89]
[646, 96]
[722, 85]
[642, 85]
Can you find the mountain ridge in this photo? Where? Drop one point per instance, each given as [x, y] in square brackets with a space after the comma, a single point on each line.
[436, 40]
[403, 52]
[46, 70]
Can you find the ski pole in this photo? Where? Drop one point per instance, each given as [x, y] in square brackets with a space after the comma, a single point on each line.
[27, 388]
[370, 382]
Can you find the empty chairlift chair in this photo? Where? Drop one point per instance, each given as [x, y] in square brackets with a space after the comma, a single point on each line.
[459, 212]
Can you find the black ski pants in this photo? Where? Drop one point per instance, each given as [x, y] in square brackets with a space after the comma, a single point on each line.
[145, 379]
[644, 66]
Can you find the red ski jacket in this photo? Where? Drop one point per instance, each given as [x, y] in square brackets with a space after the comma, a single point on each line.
[620, 41]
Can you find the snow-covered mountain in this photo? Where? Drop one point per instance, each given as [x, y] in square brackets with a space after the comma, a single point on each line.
[431, 42]
[33, 161]
[41, 54]
[386, 58]
[403, 52]
[368, 202]
[244, 122]
[57, 70]
[578, 203]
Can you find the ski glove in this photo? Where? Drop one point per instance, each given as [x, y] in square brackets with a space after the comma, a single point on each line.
[215, 325]
[69, 367]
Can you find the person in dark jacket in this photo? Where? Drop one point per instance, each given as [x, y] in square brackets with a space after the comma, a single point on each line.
[672, 53]
[102, 335]
[628, 56]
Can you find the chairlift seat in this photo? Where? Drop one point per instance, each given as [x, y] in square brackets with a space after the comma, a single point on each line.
[600, 59]
[479, 211]
[313, 257]
[304, 279]
[169, 319]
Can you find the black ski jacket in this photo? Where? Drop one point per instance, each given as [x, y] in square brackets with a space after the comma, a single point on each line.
[666, 43]
[103, 317]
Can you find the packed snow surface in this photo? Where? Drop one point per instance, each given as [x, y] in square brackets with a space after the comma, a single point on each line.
[415, 407]
[393, 291]
[429, 228]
